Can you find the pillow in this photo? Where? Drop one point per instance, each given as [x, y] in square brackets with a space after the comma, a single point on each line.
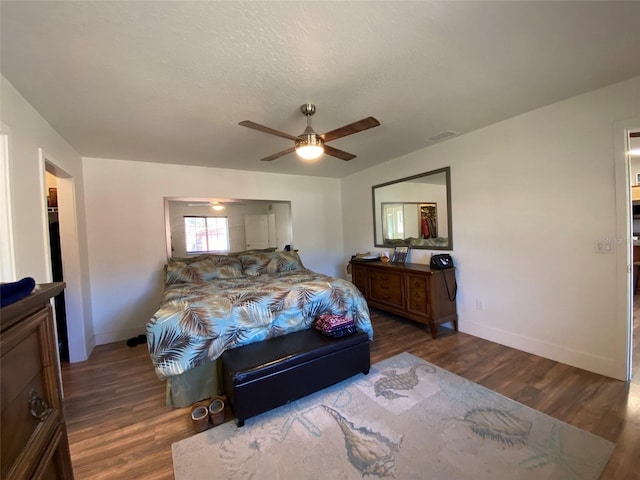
[219, 266]
[194, 258]
[203, 270]
[256, 250]
[274, 262]
[180, 272]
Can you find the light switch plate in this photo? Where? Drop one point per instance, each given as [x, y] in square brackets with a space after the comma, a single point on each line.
[604, 246]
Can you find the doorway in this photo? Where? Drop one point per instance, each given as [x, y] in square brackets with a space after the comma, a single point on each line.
[633, 147]
[260, 231]
[57, 271]
[78, 315]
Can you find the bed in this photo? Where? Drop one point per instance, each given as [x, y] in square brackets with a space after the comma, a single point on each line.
[215, 302]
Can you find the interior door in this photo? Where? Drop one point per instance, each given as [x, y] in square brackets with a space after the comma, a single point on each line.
[256, 231]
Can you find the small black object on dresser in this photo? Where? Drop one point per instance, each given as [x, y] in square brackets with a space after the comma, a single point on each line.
[264, 375]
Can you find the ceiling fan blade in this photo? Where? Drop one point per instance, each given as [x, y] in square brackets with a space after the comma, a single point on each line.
[350, 129]
[342, 155]
[262, 128]
[278, 155]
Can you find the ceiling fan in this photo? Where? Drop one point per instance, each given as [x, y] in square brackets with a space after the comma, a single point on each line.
[309, 145]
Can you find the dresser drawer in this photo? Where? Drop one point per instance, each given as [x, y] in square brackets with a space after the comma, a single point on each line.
[418, 301]
[26, 373]
[386, 287]
[53, 462]
[33, 436]
[359, 278]
[411, 290]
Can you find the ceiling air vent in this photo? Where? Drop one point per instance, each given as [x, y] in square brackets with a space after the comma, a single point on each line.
[439, 137]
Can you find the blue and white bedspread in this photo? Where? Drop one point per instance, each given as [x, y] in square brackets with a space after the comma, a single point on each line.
[196, 322]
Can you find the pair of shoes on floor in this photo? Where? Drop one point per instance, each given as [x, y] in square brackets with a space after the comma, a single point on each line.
[208, 413]
[139, 340]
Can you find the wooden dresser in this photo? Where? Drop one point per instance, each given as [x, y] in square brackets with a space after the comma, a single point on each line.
[410, 290]
[33, 435]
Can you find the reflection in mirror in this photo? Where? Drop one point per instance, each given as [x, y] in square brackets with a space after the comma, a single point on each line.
[199, 225]
[409, 220]
[414, 211]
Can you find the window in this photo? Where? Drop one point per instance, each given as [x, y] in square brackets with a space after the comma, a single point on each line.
[206, 234]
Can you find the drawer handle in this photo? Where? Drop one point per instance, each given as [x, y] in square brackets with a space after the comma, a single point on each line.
[39, 408]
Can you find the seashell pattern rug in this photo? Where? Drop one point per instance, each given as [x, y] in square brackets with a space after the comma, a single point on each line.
[407, 419]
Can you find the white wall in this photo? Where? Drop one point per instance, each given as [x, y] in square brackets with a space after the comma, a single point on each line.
[126, 231]
[530, 197]
[31, 140]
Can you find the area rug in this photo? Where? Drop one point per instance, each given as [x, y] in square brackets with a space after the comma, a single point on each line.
[407, 419]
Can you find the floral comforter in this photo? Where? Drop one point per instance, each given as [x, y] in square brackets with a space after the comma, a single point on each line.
[196, 322]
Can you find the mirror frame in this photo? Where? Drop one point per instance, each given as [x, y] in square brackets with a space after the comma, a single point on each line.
[447, 172]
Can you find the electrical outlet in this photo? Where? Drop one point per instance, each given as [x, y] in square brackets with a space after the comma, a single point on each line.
[479, 304]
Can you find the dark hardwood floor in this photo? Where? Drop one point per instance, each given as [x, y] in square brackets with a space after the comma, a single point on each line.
[120, 427]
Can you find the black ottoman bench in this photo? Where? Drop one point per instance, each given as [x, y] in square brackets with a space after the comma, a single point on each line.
[264, 375]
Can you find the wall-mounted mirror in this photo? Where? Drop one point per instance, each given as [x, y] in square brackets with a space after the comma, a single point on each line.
[221, 225]
[414, 211]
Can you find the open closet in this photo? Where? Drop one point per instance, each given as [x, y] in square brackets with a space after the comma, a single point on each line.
[56, 266]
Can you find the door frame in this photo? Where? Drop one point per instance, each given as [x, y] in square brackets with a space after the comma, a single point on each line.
[624, 232]
[79, 347]
[7, 251]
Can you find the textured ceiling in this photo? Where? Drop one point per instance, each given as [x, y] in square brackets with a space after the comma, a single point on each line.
[165, 81]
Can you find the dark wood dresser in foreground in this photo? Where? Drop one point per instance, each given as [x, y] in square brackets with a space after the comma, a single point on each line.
[33, 435]
[410, 290]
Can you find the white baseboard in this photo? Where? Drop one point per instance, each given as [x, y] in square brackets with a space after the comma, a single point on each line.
[119, 336]
[553, 351]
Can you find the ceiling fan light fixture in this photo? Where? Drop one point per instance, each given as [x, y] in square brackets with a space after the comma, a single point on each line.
[309, 146]
[217, 206]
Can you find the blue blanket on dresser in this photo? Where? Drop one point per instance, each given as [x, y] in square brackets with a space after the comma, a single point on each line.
[13, 291]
